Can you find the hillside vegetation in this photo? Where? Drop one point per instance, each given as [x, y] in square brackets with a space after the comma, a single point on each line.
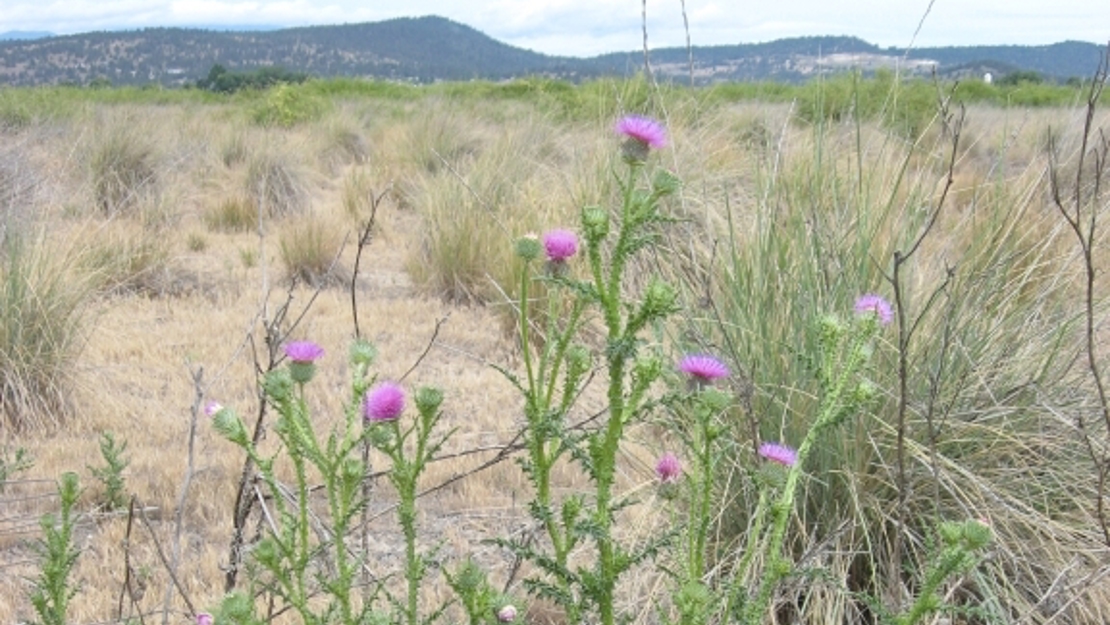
[430, 49]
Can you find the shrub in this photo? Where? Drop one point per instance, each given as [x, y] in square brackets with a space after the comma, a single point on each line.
[286, 106]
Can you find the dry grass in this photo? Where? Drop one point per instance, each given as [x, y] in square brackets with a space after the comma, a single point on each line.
[467, 180]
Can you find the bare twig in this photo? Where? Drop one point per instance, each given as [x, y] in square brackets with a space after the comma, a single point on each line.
[427, 348]
[689, 48]
[363, 241]
[906, 329]
[165, 562]
[647, 59]
[198, 399]
[1084, 227]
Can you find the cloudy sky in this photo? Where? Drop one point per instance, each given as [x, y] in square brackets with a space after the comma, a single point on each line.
[588, 27]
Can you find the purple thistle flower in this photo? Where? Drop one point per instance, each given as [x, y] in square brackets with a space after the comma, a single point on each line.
[204, 618]
[648, 132]
[872, 303]
[702, 368]
[212, 407]
[560, 245]
[507, 614]
[781, 454]
[668, 469]
[303, 351]
[384, 402]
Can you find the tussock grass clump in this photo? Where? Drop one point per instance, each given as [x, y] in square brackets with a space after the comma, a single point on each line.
[277, 185]
[358, 193]
[343, 145]
[122, 167]
[991, 338]
[19, 181]
[42, 323]
[310, 251]
[121, 260]
[504, 189]
[234, 150]
[233, 214]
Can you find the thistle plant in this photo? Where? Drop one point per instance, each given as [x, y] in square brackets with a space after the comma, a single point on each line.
[410, 447]
[554, 375]
[291, 556]
[20, 461]
[699, 406]
[111, 474]
[52, 589]
[840, 365]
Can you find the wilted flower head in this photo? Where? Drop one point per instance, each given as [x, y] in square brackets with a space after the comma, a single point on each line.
[204, 618]
[668, 469]
[872, 303]
[560, 245]
[702, 368]
[644, 130]
[781, 454]
[384, 402]
[303, 351]
[507, 614]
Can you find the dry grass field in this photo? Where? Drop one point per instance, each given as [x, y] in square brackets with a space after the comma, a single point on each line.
[174, 232]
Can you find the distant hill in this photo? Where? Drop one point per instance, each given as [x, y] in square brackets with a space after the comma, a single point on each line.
[24, 34]
[432, 48]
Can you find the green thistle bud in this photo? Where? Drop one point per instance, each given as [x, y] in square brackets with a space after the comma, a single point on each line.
[831, 329]
[595, 223]
[865, 392]
[302, 372]
[977, 533]
[428, 399]
[278, 385]
[714, 399]
[950, 533]
[659, 300]
[665, 183]
[228, 424]
[363, 353]
[528, 247]
[647, 369]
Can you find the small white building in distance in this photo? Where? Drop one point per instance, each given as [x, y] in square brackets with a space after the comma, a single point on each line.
[987, 78]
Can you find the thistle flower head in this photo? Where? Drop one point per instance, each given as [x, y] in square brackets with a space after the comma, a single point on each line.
[643, 130]
[668, 469]
[560, 245]
[212, 407]
[204, 618]
[778, 453]
[384, 402]
[702, 368]
[875, 304]
[303, 351]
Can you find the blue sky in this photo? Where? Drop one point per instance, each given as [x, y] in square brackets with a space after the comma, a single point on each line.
[588, 27]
